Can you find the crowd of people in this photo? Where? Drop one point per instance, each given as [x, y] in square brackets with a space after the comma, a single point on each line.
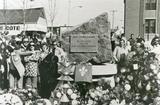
[30, 62]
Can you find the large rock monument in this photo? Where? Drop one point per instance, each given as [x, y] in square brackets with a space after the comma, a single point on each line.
[99, 26]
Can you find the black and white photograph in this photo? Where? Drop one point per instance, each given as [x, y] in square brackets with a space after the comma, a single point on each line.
[79, 52]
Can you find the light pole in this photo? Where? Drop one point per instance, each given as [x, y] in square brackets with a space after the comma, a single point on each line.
[113, 13]
[52, 8]
[69, 10]
[24, 16]
[122, 23]
[4, 10]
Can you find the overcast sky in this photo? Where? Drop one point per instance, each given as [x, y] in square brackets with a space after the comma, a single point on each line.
[89, 9]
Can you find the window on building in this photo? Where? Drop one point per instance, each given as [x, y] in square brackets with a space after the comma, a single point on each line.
[150, 26]
[151, 4]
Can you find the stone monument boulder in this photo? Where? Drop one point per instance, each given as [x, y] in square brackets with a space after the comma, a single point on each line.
[99, 26]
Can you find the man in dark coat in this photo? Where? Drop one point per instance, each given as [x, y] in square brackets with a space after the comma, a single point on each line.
[48, 69]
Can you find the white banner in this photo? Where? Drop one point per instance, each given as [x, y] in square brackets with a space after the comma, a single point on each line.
[18, 28]
[11, 29]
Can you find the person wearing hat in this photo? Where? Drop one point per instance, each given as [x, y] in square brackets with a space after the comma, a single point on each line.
[31, 67]
[153, 41]
[156, 47]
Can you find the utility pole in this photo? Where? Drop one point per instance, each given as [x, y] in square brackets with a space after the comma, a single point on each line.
[4, 10]
[24, 16]
[69, 9]
[122, 23]
[54, 13]
[113, 13]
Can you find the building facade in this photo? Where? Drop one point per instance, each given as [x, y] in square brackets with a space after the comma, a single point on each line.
[142, 17]
[16, 21]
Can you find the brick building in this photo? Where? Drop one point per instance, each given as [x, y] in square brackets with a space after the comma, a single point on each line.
[142, 17]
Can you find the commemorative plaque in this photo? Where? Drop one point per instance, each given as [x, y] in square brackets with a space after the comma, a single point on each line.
[84, 43]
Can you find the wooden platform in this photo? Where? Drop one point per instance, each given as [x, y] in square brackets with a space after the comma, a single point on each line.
[105, 71]
[97, 70]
